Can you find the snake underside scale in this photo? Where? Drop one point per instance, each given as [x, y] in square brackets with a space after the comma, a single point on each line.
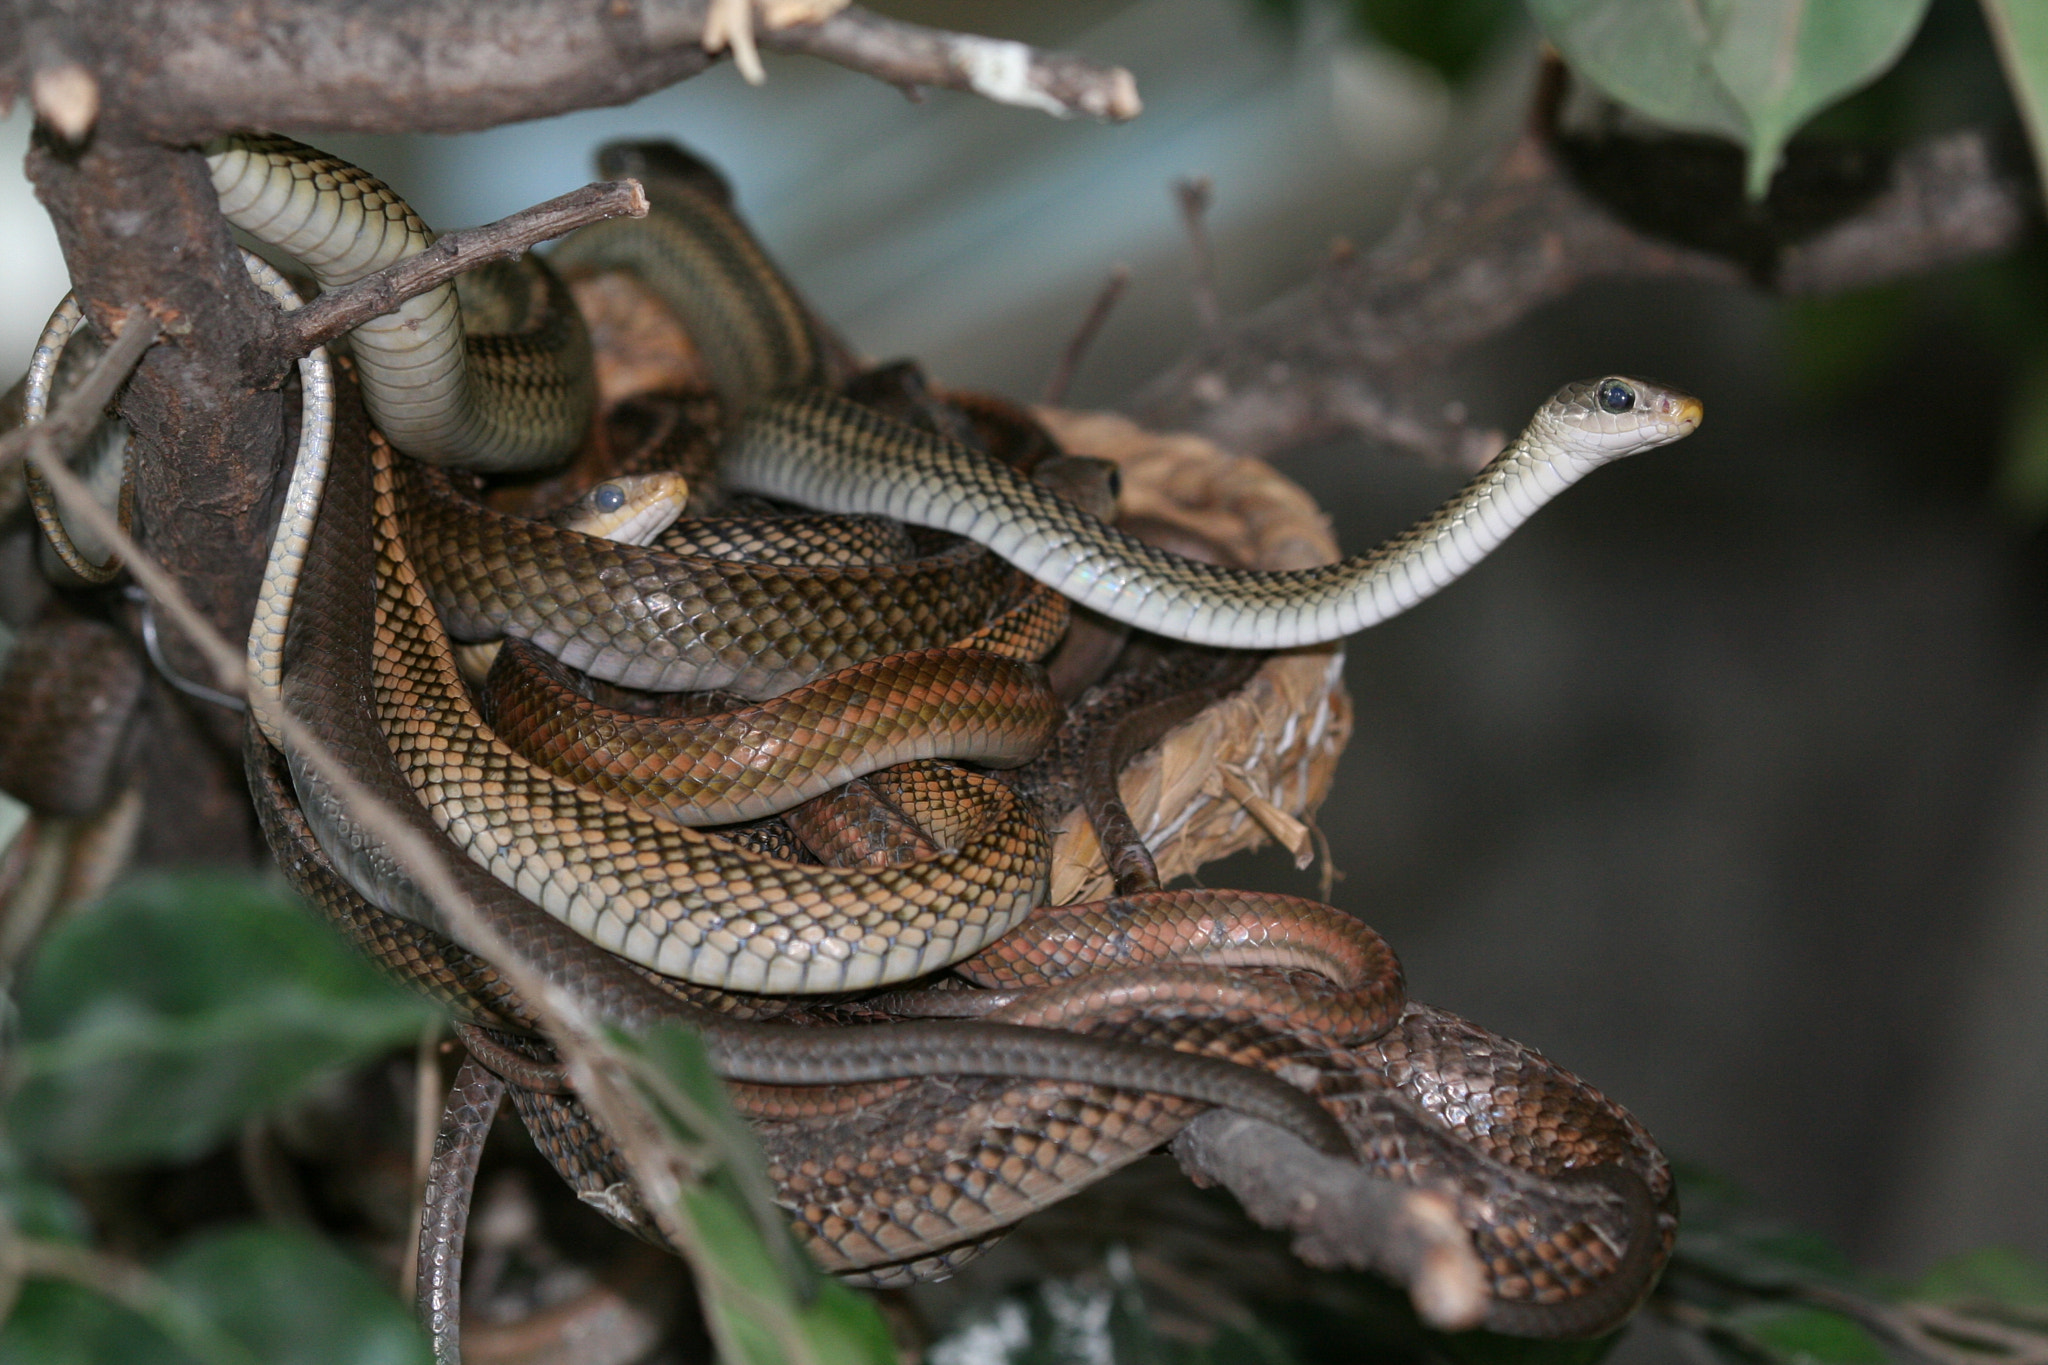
[895, 1163]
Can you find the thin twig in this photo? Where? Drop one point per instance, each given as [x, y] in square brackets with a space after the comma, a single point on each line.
[344, 309]
[1923, 1328]
[995, 68]
[81, 410]
[1193, 193]
[1936, 1331]
[457, 65]
[1084, 335]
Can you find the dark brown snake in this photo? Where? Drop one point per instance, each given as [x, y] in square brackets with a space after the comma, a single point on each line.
[1570, 1251]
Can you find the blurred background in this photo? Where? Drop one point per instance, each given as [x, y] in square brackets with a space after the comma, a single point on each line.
[1725, 782]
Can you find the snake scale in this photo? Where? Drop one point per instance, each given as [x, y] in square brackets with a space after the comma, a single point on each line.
[1057, 1083]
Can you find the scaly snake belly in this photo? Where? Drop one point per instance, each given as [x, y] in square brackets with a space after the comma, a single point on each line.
[819, 450]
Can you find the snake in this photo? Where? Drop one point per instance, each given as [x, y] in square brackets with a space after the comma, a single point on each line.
[511, 387]
[752, 331]
[819, 450]
[754, 761]
[695, 906]
[471, 430]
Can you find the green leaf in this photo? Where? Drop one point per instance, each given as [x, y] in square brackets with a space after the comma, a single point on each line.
[1995, 1275]
[1796, 1335]
[33, 1207]
[1651, 55]
[2022, 481]
[1770, 1259]
[246, 1295]
[765, 1302]
[64, 1324]
[2019, 29]
[293, 1299]
[157, 1021]
[1753, 70]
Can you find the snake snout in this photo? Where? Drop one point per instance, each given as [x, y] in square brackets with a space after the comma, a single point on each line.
[1600, 420]
[1678, 409]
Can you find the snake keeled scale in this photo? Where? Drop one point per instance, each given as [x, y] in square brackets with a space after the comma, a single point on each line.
[332, 210]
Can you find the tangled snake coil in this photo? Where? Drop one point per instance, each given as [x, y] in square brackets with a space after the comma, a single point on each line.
[1078, 1071]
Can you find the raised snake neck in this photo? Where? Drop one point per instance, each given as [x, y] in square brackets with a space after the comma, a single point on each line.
[819, 450]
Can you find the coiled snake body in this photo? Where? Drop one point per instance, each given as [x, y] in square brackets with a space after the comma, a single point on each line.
[702, 908]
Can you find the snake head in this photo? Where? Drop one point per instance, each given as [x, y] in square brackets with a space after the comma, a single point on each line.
[1597, 420]
[630, 508]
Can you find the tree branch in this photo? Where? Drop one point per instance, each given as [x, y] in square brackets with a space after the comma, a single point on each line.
[141, 231]
[187, 70]
[1459, 267]
[1950, 199]
[1340, 1214]
[347, 308]
[1006, 72]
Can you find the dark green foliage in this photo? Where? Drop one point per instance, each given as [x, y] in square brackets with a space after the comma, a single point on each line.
[159, 1020]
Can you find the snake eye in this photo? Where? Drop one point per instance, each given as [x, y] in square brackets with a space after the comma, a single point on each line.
[1617, 397]
[1116, 483]
[608, 497]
